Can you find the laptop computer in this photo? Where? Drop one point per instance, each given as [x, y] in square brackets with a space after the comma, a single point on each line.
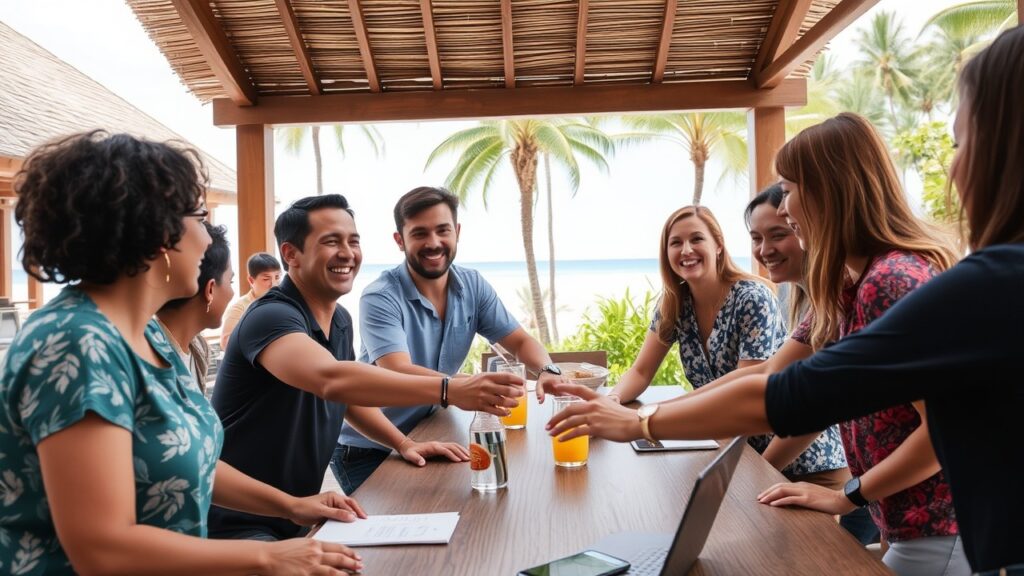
[661, 553]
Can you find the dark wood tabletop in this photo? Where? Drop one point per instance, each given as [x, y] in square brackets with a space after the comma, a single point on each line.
[548, 512]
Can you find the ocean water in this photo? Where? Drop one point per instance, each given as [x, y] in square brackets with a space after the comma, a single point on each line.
[579, 285]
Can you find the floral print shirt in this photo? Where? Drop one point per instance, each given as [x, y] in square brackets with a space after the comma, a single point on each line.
[749, 326]
[925, 509]
[69, 360]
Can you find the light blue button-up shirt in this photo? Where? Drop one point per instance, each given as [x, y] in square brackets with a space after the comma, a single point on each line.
[395, 317]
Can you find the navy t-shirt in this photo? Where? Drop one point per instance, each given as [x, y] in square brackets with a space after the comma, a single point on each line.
[276, 433]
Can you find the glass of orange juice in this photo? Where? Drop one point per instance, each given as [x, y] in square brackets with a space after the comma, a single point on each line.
[571, 453]
[517, 419]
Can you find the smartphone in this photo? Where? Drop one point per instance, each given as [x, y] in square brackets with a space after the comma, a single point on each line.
[586, 563]
[642, 445]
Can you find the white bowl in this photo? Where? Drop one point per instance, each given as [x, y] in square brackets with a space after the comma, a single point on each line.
[599, 378]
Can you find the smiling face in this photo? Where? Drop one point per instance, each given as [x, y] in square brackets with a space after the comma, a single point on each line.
[430, 240]
[775, 245]
[692, 251]
[792, 209]
[187, 255]
[330, 257]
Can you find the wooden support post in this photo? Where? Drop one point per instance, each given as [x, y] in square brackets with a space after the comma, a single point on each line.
[6, 252]
[35, 293]
[255, 150]
[766, 133]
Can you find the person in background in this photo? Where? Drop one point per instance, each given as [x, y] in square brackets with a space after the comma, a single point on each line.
[184, 319]
[264, 273]
[721, 317]
[866, 251]
[420, 318]
[110, 451]
[289, 369]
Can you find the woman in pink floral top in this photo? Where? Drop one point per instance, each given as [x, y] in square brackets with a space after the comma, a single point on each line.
[865, 251]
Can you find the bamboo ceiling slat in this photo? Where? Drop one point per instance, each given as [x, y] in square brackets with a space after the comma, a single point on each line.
[710, 39]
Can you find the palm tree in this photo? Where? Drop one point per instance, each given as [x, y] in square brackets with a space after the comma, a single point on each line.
[294, 137]
[481, 150]
[886, 50]
[702, 134]
[551, 249]
[978, 18]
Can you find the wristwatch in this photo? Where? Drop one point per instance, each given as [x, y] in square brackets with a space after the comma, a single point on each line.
[552, 369]
[644, 413]
[852, 491]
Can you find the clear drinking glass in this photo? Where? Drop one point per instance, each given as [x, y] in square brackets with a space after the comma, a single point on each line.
[572, 453]
[517, 419]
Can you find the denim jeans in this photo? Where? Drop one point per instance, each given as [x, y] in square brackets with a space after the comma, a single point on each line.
[860, 524]
[353, 465]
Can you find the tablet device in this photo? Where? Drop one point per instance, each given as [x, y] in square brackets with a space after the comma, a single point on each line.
[642, 445]
[586, 563]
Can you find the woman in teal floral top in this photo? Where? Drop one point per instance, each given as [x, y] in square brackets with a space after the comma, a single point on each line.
[108, 449]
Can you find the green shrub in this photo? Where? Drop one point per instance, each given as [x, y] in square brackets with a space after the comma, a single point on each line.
[619, 327]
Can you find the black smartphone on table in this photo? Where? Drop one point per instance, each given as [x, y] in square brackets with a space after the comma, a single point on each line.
[586, 563]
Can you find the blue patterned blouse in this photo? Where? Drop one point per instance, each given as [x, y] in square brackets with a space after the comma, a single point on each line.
[749, 326]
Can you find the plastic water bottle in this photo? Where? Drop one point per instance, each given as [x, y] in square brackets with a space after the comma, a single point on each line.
[487, 453]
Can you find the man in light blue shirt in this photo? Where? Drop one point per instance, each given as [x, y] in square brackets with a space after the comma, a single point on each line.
[420, 318]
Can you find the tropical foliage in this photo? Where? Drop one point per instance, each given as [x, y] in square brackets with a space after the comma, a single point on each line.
[481, 151]
[294, 137]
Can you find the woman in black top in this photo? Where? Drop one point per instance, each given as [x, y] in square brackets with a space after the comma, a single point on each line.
[954, 342]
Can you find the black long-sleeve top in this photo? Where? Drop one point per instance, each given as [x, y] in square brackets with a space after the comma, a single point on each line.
[957, 342]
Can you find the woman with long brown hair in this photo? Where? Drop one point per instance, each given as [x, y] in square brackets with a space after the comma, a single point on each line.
[951, 342]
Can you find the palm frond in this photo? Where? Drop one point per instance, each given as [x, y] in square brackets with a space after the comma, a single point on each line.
[550, 139]
[469, 161]
[292, 138]
[460, 140]
[978, 18]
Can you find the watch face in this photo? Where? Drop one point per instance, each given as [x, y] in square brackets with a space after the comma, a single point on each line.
[554, 369]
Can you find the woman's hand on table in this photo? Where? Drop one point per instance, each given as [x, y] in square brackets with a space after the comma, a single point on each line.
[331, 505]
[301, 556]
[807, 495]
[598, 416]
[417, 452]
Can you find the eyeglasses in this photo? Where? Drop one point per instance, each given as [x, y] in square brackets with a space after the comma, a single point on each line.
[202, 214]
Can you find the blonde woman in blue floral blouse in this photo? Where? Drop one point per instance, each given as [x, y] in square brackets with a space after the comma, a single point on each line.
[722, 319]
[108, 450]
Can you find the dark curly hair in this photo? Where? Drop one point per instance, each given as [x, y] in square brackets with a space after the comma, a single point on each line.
[94, 206]
[216, 261]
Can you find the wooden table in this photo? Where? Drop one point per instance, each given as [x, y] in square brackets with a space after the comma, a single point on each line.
[548, 512]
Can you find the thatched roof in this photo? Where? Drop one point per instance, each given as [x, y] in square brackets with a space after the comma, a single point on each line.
[352, 46]
[42, 97]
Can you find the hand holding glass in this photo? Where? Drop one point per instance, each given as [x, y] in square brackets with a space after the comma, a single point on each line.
[517, 418]
[571, 453]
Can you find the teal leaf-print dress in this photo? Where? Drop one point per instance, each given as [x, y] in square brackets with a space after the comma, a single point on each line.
[66, 361]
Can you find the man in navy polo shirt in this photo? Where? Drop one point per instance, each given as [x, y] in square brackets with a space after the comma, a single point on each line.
[421, 318]
[288, 373]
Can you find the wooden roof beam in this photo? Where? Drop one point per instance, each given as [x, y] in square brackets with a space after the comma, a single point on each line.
[507, 45]
[213, 44]
[581, 41]
[364, 44]
[844, 14]
[433, 56]
[291, 27]
[782, 31]
[489, 103]
[661, 57]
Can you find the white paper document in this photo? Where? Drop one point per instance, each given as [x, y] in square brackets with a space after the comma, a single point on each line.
[391, 529]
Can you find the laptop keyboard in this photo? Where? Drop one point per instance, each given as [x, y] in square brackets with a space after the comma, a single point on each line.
[649, 561]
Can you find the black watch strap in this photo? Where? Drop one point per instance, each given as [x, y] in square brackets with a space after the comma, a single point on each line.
[852, 491]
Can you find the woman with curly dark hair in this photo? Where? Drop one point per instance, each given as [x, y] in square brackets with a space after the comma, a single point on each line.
[109, 450]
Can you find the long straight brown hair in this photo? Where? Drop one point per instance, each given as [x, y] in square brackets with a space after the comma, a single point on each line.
[854, 206]
[992, 92]
[674, 290]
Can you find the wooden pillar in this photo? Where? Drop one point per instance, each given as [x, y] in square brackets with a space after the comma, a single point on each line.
[35, 293]
[255, 168]
[6, 252]
[1020, 12]
[766, 133]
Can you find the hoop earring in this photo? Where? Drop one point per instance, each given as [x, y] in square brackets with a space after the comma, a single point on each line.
[167, 258]
[208, 304]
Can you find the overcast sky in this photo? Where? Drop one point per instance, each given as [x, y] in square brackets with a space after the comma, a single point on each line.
[613, 216]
